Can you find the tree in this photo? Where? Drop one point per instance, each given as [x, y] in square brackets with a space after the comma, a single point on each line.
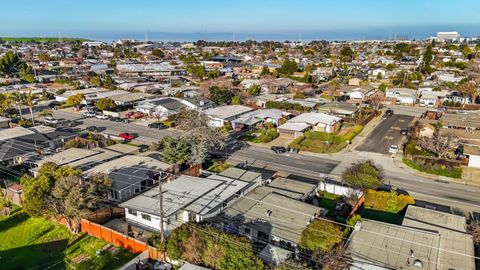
[321, 235]
[105, 104]
[265, 71]
[26, 73]
[254, 90]
[203, 138]
[288, 67]
[19, 99]
[29, 100]
[346, 54]
[383, 87]
[5, 102]
[220, 96]
[158, 53]
[363, 175]
[73, 197]
[292, 264]
[236, 100]
[75, 100]
[197, 71]
[469, 89]
[339, 258]
[175, 150]
[427, 58]
[43, 57]
[474, 229]
[10, 65]
[440, 144]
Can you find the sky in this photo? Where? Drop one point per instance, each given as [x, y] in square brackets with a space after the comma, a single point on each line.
[248, 18]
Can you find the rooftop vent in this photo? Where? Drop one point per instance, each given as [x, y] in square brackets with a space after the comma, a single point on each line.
[418, 263]
[268, 213]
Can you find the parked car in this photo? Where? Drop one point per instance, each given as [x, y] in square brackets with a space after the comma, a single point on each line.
[393, 149]
[292, 150]
[92, 129]
[388, 113]
[157, 125]
[116, 119]
[126, 136]
[50, 121]
[404, 131]
[101, 116]
[278, 149]
[135, 115]
[89, 114]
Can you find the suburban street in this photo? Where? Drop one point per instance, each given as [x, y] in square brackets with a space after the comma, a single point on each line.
[454, 195]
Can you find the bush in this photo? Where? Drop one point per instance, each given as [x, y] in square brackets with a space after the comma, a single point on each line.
[387, 201]
[448, 171]
[217, 167]
[286, 106]
[321, 235]
[210, 247]
[354, 131]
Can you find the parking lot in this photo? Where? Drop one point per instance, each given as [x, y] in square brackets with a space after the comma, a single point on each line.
[146, 135]
[386, 133]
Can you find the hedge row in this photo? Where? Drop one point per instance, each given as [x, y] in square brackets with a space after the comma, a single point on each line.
[387, 201]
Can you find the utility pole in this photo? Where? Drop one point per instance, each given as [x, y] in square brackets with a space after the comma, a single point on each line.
[160, 198]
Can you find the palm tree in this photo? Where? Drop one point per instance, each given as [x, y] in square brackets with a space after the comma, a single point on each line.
[5, 102]
[28, 98]
[18, 98]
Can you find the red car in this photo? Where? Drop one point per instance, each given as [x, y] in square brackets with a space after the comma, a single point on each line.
[126, 136]
[134, 115]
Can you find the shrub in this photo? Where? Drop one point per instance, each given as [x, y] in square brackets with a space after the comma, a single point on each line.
[354, 131]
[387, 201]
[321, 235]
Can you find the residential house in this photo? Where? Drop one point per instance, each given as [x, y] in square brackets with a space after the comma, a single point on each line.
[309, 121]
[221, 115]
[189, 198]
[163, 106]
[432, 98]
[18, 144]
[130, 175]
[258, 217]
[340, 109]
[427, 239]
[402, 95]
[251, 119]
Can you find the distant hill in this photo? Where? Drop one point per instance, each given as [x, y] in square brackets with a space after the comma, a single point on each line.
[42, 39]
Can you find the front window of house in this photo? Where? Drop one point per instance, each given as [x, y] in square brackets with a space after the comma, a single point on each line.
[146, 217]
[132, 212]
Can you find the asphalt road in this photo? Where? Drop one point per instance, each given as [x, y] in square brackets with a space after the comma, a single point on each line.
[146, 135]
[386, 133]
[426, 191]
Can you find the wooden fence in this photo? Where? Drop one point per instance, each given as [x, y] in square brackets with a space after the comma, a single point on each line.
[105, 214]
[357, 206]
[112, 237]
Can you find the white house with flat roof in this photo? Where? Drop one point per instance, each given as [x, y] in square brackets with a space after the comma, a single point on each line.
[226, 114]
[189, 198]
[309, 121]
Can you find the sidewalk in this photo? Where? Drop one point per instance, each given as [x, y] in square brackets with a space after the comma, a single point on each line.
[466, 179]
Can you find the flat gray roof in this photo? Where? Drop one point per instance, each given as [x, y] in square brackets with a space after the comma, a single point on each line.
[286, 224]
[389, 246]
[128, 170]
[195, 194]
[453, 237]
[241, 174]
[227, 111]
[291, 188]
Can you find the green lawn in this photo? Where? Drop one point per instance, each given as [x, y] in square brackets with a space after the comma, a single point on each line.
[322, 142]
[382, 216]
[37, 243]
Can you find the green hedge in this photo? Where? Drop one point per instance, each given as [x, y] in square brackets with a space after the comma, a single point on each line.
[442, 171]
[387, 201]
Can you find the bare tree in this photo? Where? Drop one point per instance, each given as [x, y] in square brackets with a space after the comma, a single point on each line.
[440, 144]
[338, 258]
[202, 136]
[473, 228]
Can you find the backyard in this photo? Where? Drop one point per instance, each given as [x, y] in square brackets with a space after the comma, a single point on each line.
[323, 142]
[37, 243]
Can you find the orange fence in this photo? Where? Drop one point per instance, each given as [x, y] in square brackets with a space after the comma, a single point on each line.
[113, 237]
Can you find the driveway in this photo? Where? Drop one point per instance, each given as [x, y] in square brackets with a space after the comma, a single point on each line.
[386, 133]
